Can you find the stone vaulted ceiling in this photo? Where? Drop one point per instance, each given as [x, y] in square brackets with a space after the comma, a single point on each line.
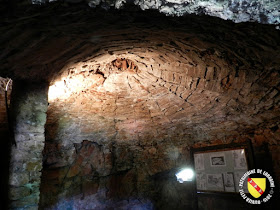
[146, 74]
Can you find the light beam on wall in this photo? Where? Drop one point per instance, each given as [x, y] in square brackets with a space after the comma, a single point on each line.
[57, 90]
[64, 88]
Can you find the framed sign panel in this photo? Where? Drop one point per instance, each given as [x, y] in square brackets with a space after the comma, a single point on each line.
[219, 168]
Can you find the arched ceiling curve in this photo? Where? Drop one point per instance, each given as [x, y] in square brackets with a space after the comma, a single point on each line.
[204, 82]
[173, 95]
[46, 39]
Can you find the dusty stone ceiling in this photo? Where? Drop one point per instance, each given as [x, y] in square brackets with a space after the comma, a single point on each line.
[263, 11]
[199, 77]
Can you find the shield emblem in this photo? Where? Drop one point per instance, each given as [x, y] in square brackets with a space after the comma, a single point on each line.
[256, 186]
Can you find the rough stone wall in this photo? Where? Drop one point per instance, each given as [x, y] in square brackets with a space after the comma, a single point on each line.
[263, 11]
[29, 106]
[3, 114]
[123, 181]
[4, 143]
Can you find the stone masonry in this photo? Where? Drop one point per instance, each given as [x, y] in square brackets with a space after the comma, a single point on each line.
[4, 141]
[29, 106]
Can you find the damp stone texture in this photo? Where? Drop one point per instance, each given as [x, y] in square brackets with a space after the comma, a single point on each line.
[29, 106]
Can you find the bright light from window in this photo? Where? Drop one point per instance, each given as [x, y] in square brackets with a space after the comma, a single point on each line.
[185, 175]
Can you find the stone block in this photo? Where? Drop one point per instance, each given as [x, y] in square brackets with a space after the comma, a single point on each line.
[167, 76]
[210, 74]
[26, 202]
[90, 187]
[74, 170]
[19, 192]
[19, 179]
